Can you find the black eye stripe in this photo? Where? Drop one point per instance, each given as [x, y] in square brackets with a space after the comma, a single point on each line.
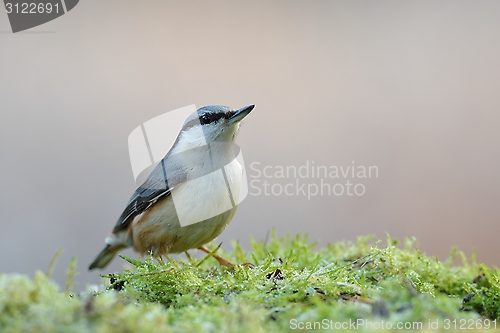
[208, 118]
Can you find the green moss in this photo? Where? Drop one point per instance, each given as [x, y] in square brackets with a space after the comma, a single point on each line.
[292, 284]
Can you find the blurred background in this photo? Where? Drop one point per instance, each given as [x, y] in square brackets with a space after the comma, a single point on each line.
[411, 87]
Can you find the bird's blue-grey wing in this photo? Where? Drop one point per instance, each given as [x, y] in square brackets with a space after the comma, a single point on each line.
[163, 178]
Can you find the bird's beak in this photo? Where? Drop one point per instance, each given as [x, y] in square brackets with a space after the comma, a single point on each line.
[241, 113]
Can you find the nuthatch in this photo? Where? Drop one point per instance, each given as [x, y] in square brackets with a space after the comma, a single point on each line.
[190, 196]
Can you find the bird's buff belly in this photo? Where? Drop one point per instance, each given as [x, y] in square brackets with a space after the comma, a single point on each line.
[159, 231]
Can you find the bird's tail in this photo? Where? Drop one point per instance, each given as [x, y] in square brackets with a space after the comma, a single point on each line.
[105, 256]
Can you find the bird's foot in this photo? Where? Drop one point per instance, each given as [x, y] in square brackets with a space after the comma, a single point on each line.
[223, 261]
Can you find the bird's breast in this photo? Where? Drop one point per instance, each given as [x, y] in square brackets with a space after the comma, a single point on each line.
[209, 194]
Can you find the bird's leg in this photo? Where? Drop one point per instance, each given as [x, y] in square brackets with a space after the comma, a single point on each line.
[222, 261]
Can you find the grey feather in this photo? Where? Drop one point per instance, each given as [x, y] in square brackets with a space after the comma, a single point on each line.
[161, 181]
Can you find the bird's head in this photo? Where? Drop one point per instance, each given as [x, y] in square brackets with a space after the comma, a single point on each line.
[214, 123]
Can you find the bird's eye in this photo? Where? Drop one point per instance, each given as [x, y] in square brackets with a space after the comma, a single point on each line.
[205, 119]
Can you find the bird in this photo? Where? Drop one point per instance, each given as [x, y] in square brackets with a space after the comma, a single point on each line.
[190, 196]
